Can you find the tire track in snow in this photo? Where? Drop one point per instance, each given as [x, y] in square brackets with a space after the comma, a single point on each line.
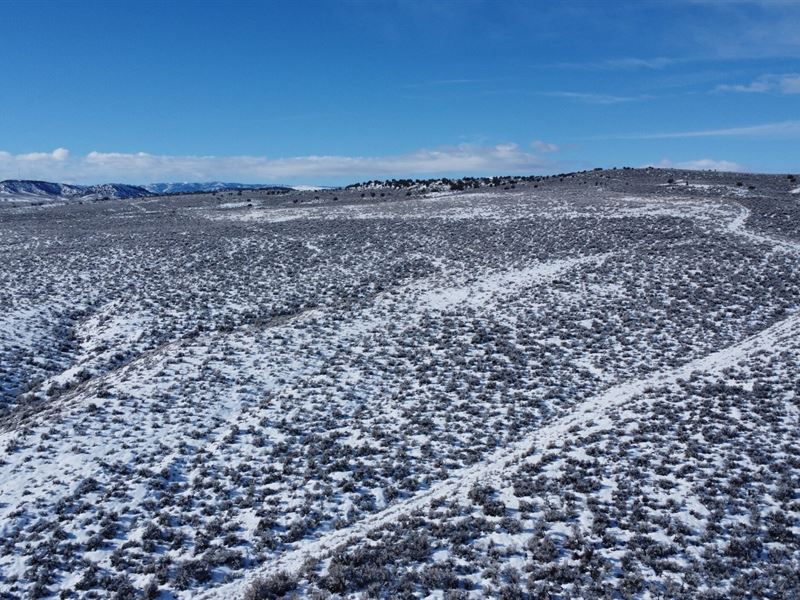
[491, 469]
[737, 227]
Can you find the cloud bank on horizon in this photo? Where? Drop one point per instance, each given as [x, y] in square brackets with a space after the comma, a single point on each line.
[142, 167]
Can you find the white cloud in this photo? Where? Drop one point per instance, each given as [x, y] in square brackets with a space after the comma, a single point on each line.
[142, 167]
[592, 98]
[788, 83]
[59, 154]
[756, 87]
[544, 147]
[628, 63]
[449, 82]
[703, 164]
[782, 129]
[646, 63]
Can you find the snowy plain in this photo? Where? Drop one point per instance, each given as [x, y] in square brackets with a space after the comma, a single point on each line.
[582, 386]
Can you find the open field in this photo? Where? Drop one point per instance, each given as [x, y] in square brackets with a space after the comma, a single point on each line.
[582, 386]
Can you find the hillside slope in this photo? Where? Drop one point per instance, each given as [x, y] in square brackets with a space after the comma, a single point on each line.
[20, 190]
[581, 385]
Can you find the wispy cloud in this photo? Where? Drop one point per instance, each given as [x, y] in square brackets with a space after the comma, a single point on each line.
[782, 129]
[594, 98]
[451, 82]
[764, 4]
[616, 64]
[754, 87]
[544, 147]
[143, 167]
[753, 29]
[703, 164]
[788, 83]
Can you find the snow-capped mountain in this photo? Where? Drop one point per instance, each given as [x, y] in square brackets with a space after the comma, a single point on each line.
[311, 188]
[44, 190]
[207, 186]
[117, 191]
[32, 190]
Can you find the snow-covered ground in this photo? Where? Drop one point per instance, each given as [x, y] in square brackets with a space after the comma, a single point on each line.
[490, 393]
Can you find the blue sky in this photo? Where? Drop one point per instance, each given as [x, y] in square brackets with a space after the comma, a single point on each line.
[334, 92]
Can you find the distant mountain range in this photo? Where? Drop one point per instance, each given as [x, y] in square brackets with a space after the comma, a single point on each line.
[23, 189]
[30, 190]
[208, 186]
